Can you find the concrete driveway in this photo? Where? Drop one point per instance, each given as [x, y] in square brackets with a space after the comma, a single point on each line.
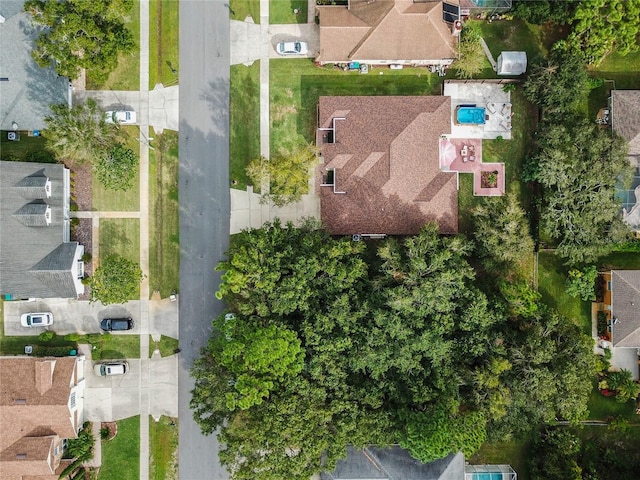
[69, 316]
[80, 316]
[114, 398]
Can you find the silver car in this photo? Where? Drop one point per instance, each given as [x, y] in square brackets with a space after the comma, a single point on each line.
[106, 369]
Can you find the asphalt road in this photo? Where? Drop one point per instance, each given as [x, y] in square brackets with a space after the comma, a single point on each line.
[204, 207]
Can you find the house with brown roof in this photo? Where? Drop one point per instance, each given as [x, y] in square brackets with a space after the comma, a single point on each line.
[41, 405]
[379, 171]
[386, 32]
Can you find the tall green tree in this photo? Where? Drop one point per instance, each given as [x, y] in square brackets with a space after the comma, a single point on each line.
[116, 169]
[602, 26]
[241, 366]
[578, 166]
[502, 233]
[287, 174]
[116, 280]
[80, 134]
[557, 84]
[77, 34]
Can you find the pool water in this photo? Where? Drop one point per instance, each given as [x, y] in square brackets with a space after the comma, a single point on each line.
[487, 476]
[470, 116]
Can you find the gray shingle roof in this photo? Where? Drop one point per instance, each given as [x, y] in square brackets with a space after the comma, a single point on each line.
[394, 463]
[26, 95]
[33, 187]
[625, 308]
[35, 259]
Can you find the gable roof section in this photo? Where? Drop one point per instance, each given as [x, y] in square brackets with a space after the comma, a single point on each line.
[27, 242]
[625, 308]
[394, 463]
[385, 30]
[625, 105]
[34, 413]
[385, 157]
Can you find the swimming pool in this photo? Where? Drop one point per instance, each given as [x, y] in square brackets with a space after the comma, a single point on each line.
[470, 115]
[487, 476]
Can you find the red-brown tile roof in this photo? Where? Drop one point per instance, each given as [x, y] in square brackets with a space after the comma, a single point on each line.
[384, 30]
[386, 159]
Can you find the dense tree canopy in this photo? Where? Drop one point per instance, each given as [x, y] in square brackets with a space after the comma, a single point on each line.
[116, 169]
[79, 134]
[381, 347]
[600, 26]
[472, 57]
[116, 280]
[287, 174]
[578, 167]
[77, 34]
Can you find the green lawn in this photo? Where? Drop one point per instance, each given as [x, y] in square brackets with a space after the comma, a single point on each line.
[164, 234]
[104, 199]
[620, 261]
[623, 70]
[551, 277]
[245, 8]
[510, 152]
[27, 149]
[244, 118]
[516, 34]
[514, 453]
[163, 445]
[109, 346]
[120, 236]
[601, 407]
[121, 455]
[163, 42]
[297, 84]
[166, 345]
[282, 11]
[126, 76]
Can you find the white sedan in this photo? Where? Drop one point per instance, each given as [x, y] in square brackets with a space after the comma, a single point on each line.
[126, 117]
[108, 369]
[36, 319]
[292, 48]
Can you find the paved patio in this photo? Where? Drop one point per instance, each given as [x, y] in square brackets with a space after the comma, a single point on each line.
[465, 156]
[488, 95]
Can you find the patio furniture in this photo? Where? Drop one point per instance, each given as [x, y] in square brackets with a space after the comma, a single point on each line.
[464, 159]
[506, 109]
[491, 107]
[463, 152]
[472, 158]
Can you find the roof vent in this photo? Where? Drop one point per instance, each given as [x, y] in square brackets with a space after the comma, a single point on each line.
[21, 401]
[21, 456]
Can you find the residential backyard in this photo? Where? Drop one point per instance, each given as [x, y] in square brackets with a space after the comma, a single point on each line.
[28, 149]
[164, 234]
[121, 455]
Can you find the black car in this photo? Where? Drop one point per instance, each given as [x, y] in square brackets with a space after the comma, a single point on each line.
[116, 324]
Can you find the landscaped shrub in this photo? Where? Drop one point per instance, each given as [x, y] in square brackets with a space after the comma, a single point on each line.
[47, 336]
[72, 337]
[86, 257]
[46, 351]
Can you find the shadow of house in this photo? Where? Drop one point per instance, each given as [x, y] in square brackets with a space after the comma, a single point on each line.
[37, 258]
[26, 90]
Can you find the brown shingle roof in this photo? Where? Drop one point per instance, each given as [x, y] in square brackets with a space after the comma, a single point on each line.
[386, 161]
[625, 308]
[34, 413]
[626, 117]
[385, 30]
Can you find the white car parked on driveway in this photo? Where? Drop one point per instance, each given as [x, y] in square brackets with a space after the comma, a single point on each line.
[125, 117]
[107, 369]
[292, 48]
[43, 319]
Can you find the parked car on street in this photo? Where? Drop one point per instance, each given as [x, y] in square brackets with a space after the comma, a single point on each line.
[292, 48]
[126, 117]
[107, 369]
[116, 324]
[36, 319]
